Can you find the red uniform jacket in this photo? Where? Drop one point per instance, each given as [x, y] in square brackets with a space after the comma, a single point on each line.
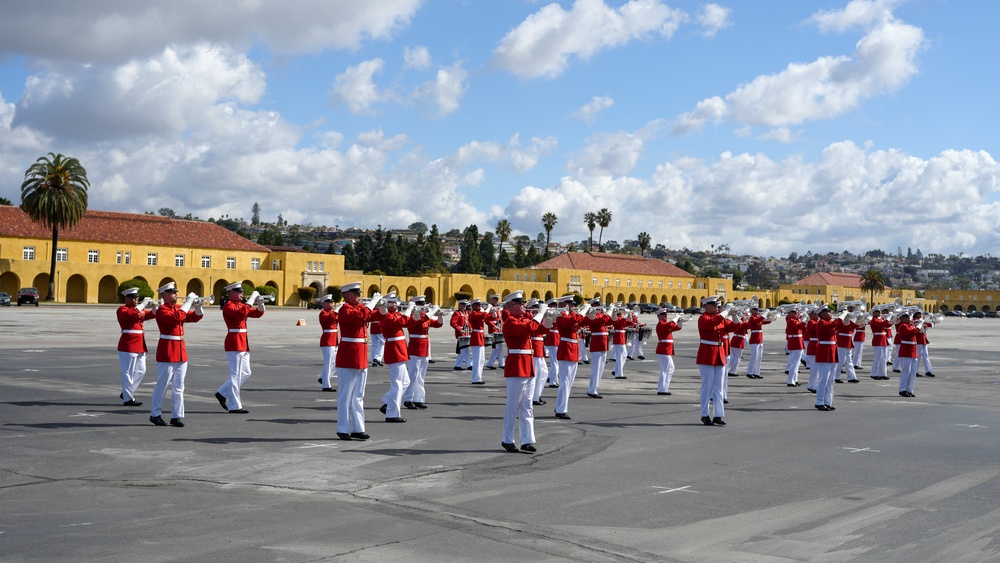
[459, 321]
[393, 324]
[756, 325]
[170, 320]
[826, 341]
[739, 338]
[598, 327]
[568, 324]
[665, 337]
[132, 339]
[376, 323]
[859, 333]
[845, 334]
[517, 333]
[477, 333]
[793, 333]
[418, 328]
[353, 350]
[712, 330]
[538, 341]
[921, 335]
[618, 329]
[235, 314]
[880, 331]
[907, 340]
[328, 322]
[810, 337]
[494, 324]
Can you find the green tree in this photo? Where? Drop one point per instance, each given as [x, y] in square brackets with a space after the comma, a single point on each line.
[5, 201]
[144, 289]
[872, 281]
[471, 261]
[533, 256]
[711, 272]
[503, 231]
[54, 194]
[504, 261]
[590, 219]
[488, 252]
[643, 241]
[350, 257]
[603, 219]
[418, 227]
[255, 214]
[520, 255]
[167, 212]
[549, 221]
[434, 251]
[758, 275]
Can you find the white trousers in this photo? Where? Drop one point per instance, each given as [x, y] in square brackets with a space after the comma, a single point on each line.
[133, 370]
[824, 381]
[908, 373]
[567, 374]
[167, 372]
[239, 372]
[554, 368]
[541, 376]
[584, 351]
[733, 365]
[618, 353]
[793, 365]
[923, 359]
[351, 400]
[813, 374]
[478, 353]
[463, 360]
[756, 355]
[635, 347]
[711, 388]
[329, 365]
[378, 347]
[497, 356]
[894, 354]
[597, 363]
[846, 363]
[878, 361]
[417, 368]
[519, 393]
[666, 372]
[399, 379]
[859, 348]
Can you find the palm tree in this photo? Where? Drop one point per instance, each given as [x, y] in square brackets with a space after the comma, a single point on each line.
[54, 193]
[871, 281]
[603, 219]
[643, 241]
[549, 221]
[591, 221]
[503, 232]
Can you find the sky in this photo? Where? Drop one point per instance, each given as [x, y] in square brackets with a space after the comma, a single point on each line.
[771, 127]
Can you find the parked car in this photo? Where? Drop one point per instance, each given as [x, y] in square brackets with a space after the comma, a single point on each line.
[694, 310]
[4, 299]
[313, 304]
[975, 314]
[992, 314]
[648, 308]
[27, 295]
[952, 313]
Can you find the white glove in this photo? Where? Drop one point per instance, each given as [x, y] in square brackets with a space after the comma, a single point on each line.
[591, 315]
[253, 298]
[374, 301]
[336, 308]
[198, 310]
[489, 308]
[585, 309]
[541, 313]
[680, 321]
[147, 303]
[432, 311]
[260, 305]
[409, 309]
[189, 302]
[384, 309]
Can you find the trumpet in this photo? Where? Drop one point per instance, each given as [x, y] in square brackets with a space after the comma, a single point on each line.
[210, 300]
[860, 305]
[679, 318]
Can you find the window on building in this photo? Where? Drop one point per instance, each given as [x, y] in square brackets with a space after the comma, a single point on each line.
[651, 284]
[607, 281]
[206, 261]
[151, 259]
[689, 285]
[322, 265]
[670, 285]
[701, 285]
[275, 264]
[618, 282]
[533, 277]
[517, 277]
[309, 266]
[231, 263]
[595, 281]
[255, 263]
[179, 260]
[93, 256]
[128, 257]
[661, 284]
[118, 257]
[62, 254]
[628, 282]
[548, 277]
[29, 253]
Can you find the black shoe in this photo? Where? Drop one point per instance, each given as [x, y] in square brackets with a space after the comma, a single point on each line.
[479, 383]
[395, 419]
[344, 436]
[612, 372]
[158, 420]
[458, 368]
[620, 377]
[331, 389]
[359, 436]
[509, 447]
[121, 396]
[420, 405]
[239, 411]
[663, 392]
[642, 357]
[732, 375]
[791, 384]
[491, 367]
[529, 448]
[132, 403]
[177, 422]
[758, 376]
[725, 401]
[707, 421]
[409, 405]
[595, 395]
[854, 381]
[563, 415]
[539, 402]
[718, 421]
[821, 408]
[432, 361]
[383, 408]
[786, 372]
[929, 374]
[838, 380]
[750, 375]
[628, 357]
[920, 375]
[896, 371]
[319, 380]
[904, 394]
[222, 400]
[876, 377]
[831, 408]
[468, 368]
[533, 447]
[857, 368]
[811, 390]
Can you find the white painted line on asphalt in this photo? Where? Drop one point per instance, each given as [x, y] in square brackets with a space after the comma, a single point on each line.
[308, 445]
[972, 426]
[683, 489]
[90, 414]
[856, 450]
[326, 400]
[34, 351]
[26, 369]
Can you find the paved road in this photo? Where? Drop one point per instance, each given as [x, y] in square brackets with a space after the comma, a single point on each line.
[632, 477]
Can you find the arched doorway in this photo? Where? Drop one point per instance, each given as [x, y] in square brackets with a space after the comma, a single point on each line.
[411, 292]
[535, 294]
[608, 299]
[196, 287]
[548, 295]
[372, 290]
[76, 289]
[107, 290]
[218, 289]
[41, 283]
[684, 302]
[429, 294]
[10, 283]
[392, 289]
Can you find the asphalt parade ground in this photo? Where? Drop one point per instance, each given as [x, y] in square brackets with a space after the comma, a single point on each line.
[634, 476]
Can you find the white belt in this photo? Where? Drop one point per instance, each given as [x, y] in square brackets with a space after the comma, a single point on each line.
[538, 338]
[170, 337]
[355, 340]
[910, 342]
[827, 342]
[330, 330]
[619, 331]
[131, 332]
[526, 352]
[845, 334]
[755, 331]
[878, 334]
[568, 340]
[395, 339]
[598, 334]
[739, 336]
[418, 336]
[790, 336]
[668, 340]
[813, 339]
[711, 343]
[477, 330]
[237, 330]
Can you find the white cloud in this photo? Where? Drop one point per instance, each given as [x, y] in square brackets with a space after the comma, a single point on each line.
[418, 57]
[857, 13]
[882, 62]
[593, 109]
[511, 154]
[543, 44]
[445, 91]
[780, 134]
[714, 18]
[356, 88]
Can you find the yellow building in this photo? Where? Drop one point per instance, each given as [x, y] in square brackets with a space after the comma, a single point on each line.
[837, 287]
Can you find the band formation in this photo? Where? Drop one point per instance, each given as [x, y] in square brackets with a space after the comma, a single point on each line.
[536, 344]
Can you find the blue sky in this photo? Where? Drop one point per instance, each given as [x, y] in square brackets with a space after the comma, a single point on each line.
[773, 127]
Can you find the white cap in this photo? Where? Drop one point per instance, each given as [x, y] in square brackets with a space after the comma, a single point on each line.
[131, 292]
[235, 286]
[476, 302]
[493, 296]
[662, 311]
[566, 298]
[513, 296]
[463, 302]
[711, 299]
[533, 302]
[552, 302]
[419, 300]
[325, 298]
[356, 286]
[595, 302]
[170, 287]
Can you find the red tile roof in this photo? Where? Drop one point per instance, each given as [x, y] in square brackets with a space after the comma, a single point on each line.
[619, 263]
[129, 228]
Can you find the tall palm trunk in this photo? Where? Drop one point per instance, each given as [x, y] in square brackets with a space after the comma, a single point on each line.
[52, 265]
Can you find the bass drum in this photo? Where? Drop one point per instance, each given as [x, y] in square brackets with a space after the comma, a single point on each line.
[645, 333]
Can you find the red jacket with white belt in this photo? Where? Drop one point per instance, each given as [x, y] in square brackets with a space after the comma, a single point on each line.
[170, 320]
[393, 324]
[235, 314]
[568, 324]
[132, 339]
[793, 333]
[517, 333]
[598, 327]
[419, 345]
[328, 322]
[712, 330]
[477, 324]
[353, 350]
[665, 337]
[756, 325]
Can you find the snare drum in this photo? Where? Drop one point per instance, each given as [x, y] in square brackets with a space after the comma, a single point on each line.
[463, 342]
[645, 333]
[488, 340]
[497, 339]
[629, 333]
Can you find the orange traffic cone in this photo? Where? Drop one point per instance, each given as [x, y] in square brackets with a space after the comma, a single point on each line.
[302, 322]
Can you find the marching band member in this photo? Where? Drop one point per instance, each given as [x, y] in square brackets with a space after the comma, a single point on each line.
[880, 344]
[568, 354]
[826, 359]
[538, 352]
[235, 313]
[477, 340]
[859, 342]
[378, 341]
[894, 355]
[552, 347]
[665, 349]
[635, 344]
[460, 322]
[756, 324]
[619, 333]
[419, 350]
[906, 358]
[352, 361]
[132, 344]
[328, 341]
[171, 354]
[597, 323]
[711, 359]
[393, 322]
[518, 373]
[493, 328]
[811, 341]
[794, 328]
[923, 360]
[737, 343]
[845, 345]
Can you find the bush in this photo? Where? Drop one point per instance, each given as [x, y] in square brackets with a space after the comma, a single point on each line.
[460, 295]
[334, 290]
[306, 294]
[144, 289]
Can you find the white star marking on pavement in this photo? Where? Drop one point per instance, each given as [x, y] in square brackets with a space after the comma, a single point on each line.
[856, 450]
[681, 489]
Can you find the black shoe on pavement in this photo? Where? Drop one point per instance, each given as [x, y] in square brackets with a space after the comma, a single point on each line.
[663, 392]
[177, 422]
[929, 374]
[595, 395]
[359, 436]
[132, 403]
[529, 448]
[222, 400]
[707, 421]
[395, 419]
[718, 421]
[419, 405]
[157, 420]
[509, 447]
[409, 405]
[563, 415]
[331, 389]
[383, 408]
[239, 411]
[344, 436]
